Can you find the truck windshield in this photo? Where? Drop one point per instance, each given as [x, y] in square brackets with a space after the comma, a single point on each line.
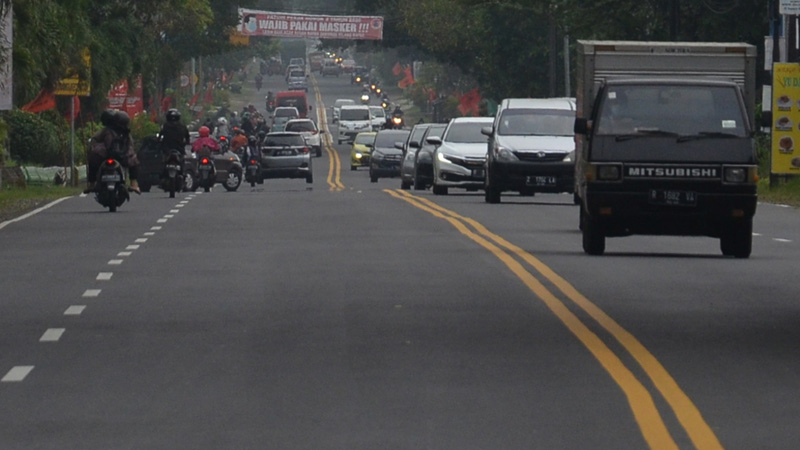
[670, 110]
[537, 122]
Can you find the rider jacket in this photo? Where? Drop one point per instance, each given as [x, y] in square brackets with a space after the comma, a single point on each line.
[174, 136]
[205, 142]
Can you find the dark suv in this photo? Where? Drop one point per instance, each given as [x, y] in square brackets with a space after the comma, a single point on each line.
[531, 147]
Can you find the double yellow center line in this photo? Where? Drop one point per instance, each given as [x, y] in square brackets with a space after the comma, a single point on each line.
[645, 412]
[334, 162]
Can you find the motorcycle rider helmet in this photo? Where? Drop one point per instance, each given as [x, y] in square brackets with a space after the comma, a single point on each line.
[246, 116]
[252, 140]
[204, 131]
[107, 117]
[222, 121]
[122, 121]
[173, 115]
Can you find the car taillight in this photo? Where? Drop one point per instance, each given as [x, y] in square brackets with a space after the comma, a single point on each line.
[253, 161]
[305, 150]
[315, 132]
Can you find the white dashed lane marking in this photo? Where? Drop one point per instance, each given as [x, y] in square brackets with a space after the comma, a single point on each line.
[149, 233]
[152, 229]
[75, 310]
[115, 262]
[781, 240]
[140, 240]
[52, 335]
[16, 374]
[174, 211]
[92, 293]
[123, 254]
[132, 247]
[162, 220]
[104, 276]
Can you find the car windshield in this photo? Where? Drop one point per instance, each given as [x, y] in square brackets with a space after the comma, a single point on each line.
[465, 133]
[377, 111]
[537, 122]
[297, 74]
[434, 131]
[284, 140]
[387, 140]
[281, 120]
[354, 114]
[676, 110]
[305, 125]
[285, 112]
[365, 139]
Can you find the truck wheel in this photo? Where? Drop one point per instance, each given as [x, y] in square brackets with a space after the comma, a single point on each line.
[737, 239]
[594, 241]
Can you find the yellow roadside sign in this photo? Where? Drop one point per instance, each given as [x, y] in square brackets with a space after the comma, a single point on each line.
[239, 39]
[785, 119]
[72, 84]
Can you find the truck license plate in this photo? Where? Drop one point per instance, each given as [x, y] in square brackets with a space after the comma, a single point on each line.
[673, 198]
[540, 181]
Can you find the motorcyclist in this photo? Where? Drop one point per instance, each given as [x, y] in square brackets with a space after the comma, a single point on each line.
[262, 136]
[238, 141]
[113, 141]
[247, 124]
[174, 134]
[259, 80]
[398, 112]
[205, 142]
[235, 122]
[222, 128]
[251, 150]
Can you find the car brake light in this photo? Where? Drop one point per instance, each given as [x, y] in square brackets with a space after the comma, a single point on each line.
[304, 150]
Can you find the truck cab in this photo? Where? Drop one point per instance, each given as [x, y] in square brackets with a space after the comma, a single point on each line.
[664, 150]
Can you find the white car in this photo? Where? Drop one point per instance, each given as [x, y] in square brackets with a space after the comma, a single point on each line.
[308, 129]
[337, 106]
[460, 156]
[378, 117]
[353, 119]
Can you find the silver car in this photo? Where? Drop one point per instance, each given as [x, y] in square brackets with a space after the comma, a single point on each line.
[281, 115]
[298, 81]
[460, 158]
[286, 155]
[410, 155]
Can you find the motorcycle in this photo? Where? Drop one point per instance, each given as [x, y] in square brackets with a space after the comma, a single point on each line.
[397, 122]
[253, 173]
[110, 190]
[224, 144]
[270, 105]
[207, 173]
[174, 180]
[365, 99]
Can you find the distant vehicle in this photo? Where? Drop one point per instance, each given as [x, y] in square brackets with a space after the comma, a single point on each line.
[298, 81]
[459, 159]
[286, 155]
[308, 129]
[348, 65]
[281, 115]
[361, 150]
[423, 165]
[331, 69]
[531, 147]
[337, 106]
[315, 61]
[410, 155]
[151, 165]
[292, 68]
[295, 99]
[386, 157]
[274, 67]
[297, 62]
[353, 119]
[360, 75]
[378, 117]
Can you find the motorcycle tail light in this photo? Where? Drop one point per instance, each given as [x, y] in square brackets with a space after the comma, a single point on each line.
[253, 161]
[204, 161]
[110, 161]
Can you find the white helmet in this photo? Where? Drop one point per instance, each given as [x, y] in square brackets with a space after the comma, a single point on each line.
[222, 121]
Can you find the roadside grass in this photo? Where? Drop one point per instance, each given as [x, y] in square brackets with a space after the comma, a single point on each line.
[15, 200]
[786, 193]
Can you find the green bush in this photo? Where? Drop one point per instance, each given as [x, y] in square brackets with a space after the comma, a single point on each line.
[34, 140]
[142, 127]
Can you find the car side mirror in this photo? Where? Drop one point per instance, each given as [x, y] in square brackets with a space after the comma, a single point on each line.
[488, 131]
[434, 140]
[399, 146]
[413, 144]
[368, 145]
[582, 126]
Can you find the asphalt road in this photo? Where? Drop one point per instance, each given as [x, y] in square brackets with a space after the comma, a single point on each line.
[351, 315]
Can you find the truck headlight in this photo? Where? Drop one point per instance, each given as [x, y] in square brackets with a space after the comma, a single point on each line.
[735, 174]
[609, 172]
[570, 156]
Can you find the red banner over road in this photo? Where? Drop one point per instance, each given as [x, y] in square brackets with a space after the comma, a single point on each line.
[263, 23]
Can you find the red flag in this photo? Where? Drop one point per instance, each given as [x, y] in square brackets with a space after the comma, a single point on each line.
[468, 106]
[209, 94]
[44, 101]
[408, 80]
[193, 101]
[397, 69]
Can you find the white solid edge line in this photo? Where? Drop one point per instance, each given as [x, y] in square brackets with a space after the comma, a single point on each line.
[16, 374]
[32, 213]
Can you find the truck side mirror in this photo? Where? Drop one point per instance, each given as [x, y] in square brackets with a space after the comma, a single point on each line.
[582, 126]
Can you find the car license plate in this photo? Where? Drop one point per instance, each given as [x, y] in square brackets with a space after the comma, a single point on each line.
[477, 173]
[110, 178]
[284, 153]
[540, 181]
[673, 198]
